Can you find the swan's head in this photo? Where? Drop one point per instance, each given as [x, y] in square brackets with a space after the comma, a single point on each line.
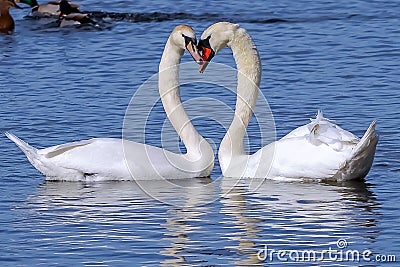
[213, 39]
[184, 37]
[9, 3]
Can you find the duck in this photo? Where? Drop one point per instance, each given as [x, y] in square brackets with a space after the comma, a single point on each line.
[69, 16]
[120, 159]
[319, 150]
[51, 8]
[7, 24]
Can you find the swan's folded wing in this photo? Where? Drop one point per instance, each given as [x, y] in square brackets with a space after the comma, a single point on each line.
[323, 131]
[54, 151]
[88, 156]
[108, 157]
[298, 132]
[298, 158]
[97, 156]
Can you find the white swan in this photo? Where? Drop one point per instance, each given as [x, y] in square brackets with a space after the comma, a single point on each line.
[117, 159]
[318, 150]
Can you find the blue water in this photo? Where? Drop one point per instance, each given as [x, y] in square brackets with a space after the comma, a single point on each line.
[63, 85]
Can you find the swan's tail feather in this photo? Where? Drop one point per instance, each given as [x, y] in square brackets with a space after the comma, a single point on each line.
[40, 160]
[360, 161]
[30, 152]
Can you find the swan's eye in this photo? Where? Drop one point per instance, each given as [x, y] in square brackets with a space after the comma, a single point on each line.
[205, 43]
[189, 40]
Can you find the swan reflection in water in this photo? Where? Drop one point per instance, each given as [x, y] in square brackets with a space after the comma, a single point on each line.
[121, 216]
[198, 220]
[292, 215]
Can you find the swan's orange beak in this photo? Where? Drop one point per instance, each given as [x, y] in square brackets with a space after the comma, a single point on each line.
[194, 52]
[207, 53]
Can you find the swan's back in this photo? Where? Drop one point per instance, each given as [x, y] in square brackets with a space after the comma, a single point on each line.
[323, 150]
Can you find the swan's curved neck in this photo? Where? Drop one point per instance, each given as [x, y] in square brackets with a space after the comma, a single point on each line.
[249, 74]
[168, 84]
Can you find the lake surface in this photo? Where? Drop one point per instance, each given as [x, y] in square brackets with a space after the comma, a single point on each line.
[62, 85]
